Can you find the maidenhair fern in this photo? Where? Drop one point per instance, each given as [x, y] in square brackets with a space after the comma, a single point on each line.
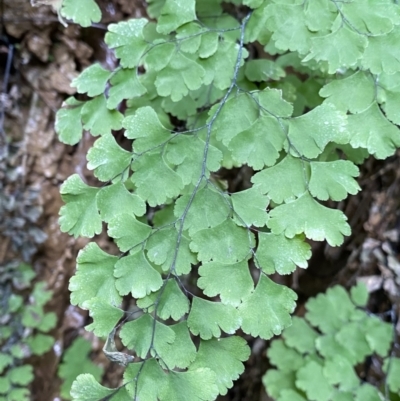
[24, 325]
[196, 94]
[316, 358]
[76, 361]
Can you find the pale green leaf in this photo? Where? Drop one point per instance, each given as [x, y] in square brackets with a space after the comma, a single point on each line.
[21, 375]
[94, 277]
[127, 39]
[340, 49]
[378, 334]
[79, 216]
[352, 337]
[159, 247]
[104, 315]
[207, 210]
[81, 12]
[371, 130]
[116, 199]
[108, 159]
[155, 181]
[137, 335]
[186, 152]
[291, 173]
[207, 318]
[140, 379]
[278, 382]
[213, 281]
[260, 144]
[391, 106]
[225, 243]
[237, 115]
[277, 253]
[219, 67]
[68, 124]
[125, 85]
[174, 14]
[367, 392]
[311, 380]
[86, 388]
[311, 132]
[98, 119]
[359, 294]
[354, 93]
[272, 102]
[263, 70]
[286, 359]
[371, 16]
[287, 23]
[392, 369]
[266, 311]
[92, 80]
[39, 344]
[127, 231]
[333, 180]
[331, 310]
[145, 127]
[199, 385]
[305, 215]
[182, 352]
[170, 300]
[383, 53]
[300, 336]
[339, 371]
[224, 356]
[319, 14]
[136, 275]
[180, 76]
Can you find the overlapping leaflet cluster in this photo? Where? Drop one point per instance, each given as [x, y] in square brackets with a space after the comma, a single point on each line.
[317, 355]
[22, 333]
[191, 97]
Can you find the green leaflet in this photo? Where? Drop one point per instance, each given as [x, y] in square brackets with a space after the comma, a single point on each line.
[136, 275]
[357, 99]
[170, 300]
[93, 278]
[305, 215]
[137, 336]
[128, 41]
[68, 124]
[223, 356]
[213, 281]
[364, 128]
[104, 315]
[92, 81]
[277, 253]
[235, 243]
[207, 319]
[108, 159]
[291, 172]
[83, 13]
[333, 180]
[80, 215]
[310, 133]
[98, 119]
[174, 14]
[265, 312]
